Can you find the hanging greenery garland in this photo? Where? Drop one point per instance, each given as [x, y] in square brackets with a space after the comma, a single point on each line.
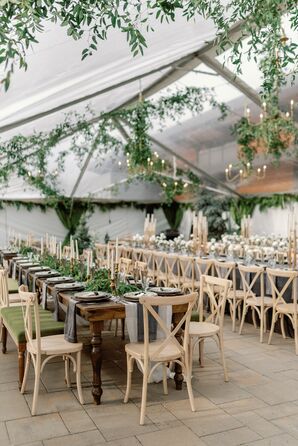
[21, 21]
[29, 156]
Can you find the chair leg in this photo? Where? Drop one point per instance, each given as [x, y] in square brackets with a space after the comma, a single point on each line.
[130, 363]
[189, 388]
[272, 326]
[262, 325]
[144, 395]
[243, 318]
[191, 348]
[21, 362]
[282, 326]
[66, 364]
[234, 312]
[4, 338]
[36, 386]
[78, 378]
[164, 379]
[27, 366]
[223, 360]
[201, 352]
[254, 318]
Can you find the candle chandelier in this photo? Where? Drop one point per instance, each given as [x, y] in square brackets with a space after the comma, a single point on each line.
[233, 175]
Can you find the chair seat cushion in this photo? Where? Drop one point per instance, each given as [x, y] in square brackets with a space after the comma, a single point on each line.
[55, 345]
[257, 301]
[203, 329]
[170, 352]
[13, 286]
[14, 322]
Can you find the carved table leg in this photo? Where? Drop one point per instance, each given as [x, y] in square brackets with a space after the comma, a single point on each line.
[96, 328]
[178, 369]
[21, 361]
[3, 337]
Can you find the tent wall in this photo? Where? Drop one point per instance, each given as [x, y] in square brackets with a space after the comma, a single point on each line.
[117, 222]
[272, 221]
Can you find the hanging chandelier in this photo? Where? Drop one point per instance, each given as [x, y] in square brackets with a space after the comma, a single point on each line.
[244, 172]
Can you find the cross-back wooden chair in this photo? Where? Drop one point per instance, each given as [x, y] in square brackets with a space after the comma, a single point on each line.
[163, 350]
[140, 269]
[216, 291]
[186, 264]
[126, 251]
[281, 307]
[49, 346]
[148, 259]
[201, 267]
[172, 266]
[160, 269]
[125, 265]
[253, 276]
[137, 254]
[101, 254]
[66, 251]
[7, 299]
[227, 270]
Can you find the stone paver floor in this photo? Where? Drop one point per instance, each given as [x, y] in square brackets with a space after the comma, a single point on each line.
[258, 406]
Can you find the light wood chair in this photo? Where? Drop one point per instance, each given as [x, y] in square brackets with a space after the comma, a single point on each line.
[216, 290]
[260, 303]
[281, 307]
[172, 266]
[7, 299]
[186, 264]
[66, 251]
[125, 265]
[147, 257]
[227, 270]
[49, 346]
[201, 267]
[140, 269]
[161, 351]
[126, 251]
[137, 254]
[160, 269]
[101, 254]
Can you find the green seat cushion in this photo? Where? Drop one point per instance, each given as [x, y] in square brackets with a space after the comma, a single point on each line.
[13, 286]
[14, 322]
[194, 316]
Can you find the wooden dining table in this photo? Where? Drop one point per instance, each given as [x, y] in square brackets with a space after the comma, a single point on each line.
[96, 315]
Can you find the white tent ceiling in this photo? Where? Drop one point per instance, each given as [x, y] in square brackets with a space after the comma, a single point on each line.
[179, 53]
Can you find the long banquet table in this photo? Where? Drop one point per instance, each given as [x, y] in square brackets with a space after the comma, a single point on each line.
[96, 315]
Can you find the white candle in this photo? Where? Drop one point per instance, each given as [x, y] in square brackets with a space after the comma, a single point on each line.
[41, 246]
[117, 250]
[47, 240]
[77, 250]
[108, 255]
[88, 264]
[60, 250]
[112, 265]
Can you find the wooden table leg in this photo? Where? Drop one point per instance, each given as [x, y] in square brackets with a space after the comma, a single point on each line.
[21, 361]
[3, 337]
[178, 369]
[96, 328]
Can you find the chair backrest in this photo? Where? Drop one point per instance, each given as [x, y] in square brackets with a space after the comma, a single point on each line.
[216, 290]
[66, 251]
[30, 309]
[125, 251]
[226, 270]
[4, 294]
[149, 307]
[249, 277]
[172, 266]
[148, 259]
[290, 281]
[159, 262]
[125, 265]
[186, 264]
[202, 266]
[137, 254]
[140, 270]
